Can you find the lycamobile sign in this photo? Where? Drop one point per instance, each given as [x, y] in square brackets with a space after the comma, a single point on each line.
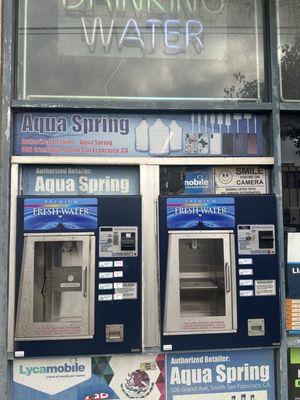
[51, 369]
[50, 376]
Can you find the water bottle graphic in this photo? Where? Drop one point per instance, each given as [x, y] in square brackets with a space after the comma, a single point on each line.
[233, 398]
[243, 396]
[141, 136]
[191, 139]
[175, 136]
[202, 136]
[252, 397]
[159, 139]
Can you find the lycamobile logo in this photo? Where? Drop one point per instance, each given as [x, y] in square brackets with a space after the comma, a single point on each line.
[51, 369]
[199, 181]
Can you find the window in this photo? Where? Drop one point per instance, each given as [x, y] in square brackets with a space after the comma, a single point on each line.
[165, 49]
[289, 49]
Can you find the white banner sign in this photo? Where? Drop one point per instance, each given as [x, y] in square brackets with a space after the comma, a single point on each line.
[241, 180]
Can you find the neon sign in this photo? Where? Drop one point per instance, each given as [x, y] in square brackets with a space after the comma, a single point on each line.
[149, 5]
[131, 35]
[141, 25]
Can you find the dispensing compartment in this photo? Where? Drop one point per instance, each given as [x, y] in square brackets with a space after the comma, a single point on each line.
[57, 287]
[200, 295]
[201, 277]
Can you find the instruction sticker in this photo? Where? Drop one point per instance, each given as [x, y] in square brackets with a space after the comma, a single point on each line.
[105, 286]
[126, 290]
[246, 282]
[105, 297]
[265, 288]
[105, 264]
[246, 293]
[106, 275]
[245, 272]
[118, 263]
[245, 261]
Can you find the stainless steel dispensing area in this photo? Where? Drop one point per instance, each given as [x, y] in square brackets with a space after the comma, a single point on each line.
[56, 295]
[201, 284]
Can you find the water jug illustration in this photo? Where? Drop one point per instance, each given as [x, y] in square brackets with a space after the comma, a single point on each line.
[141, 136]
[159, 139]
[175, 136]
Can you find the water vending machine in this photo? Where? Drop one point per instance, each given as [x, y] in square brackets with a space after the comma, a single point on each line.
[78, 275]
[218, 272]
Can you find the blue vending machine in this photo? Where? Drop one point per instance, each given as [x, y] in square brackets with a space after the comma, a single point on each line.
[78, 276]
[219, 280]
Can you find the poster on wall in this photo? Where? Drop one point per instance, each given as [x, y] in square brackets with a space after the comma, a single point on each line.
[82, 179]
[223, 375]
[85, 378]
[138, 135]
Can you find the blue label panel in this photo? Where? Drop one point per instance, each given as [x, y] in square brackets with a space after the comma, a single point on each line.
[81, 180]
[210, 212]
[198, 182]
[293, 279]
[60, 214]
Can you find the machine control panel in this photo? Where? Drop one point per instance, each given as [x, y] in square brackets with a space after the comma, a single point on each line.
[118, 241]
[256, 239]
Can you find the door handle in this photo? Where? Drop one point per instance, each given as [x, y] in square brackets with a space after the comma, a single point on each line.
[84, 281]
[227, 277]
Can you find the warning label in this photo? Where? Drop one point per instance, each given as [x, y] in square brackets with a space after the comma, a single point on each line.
[125, 291]
[265, 288]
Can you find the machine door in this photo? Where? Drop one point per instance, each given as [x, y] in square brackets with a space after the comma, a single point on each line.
[56, 294]
[201, 284]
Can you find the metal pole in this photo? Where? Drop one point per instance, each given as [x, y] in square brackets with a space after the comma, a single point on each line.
[277, 186]
[6, 74]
